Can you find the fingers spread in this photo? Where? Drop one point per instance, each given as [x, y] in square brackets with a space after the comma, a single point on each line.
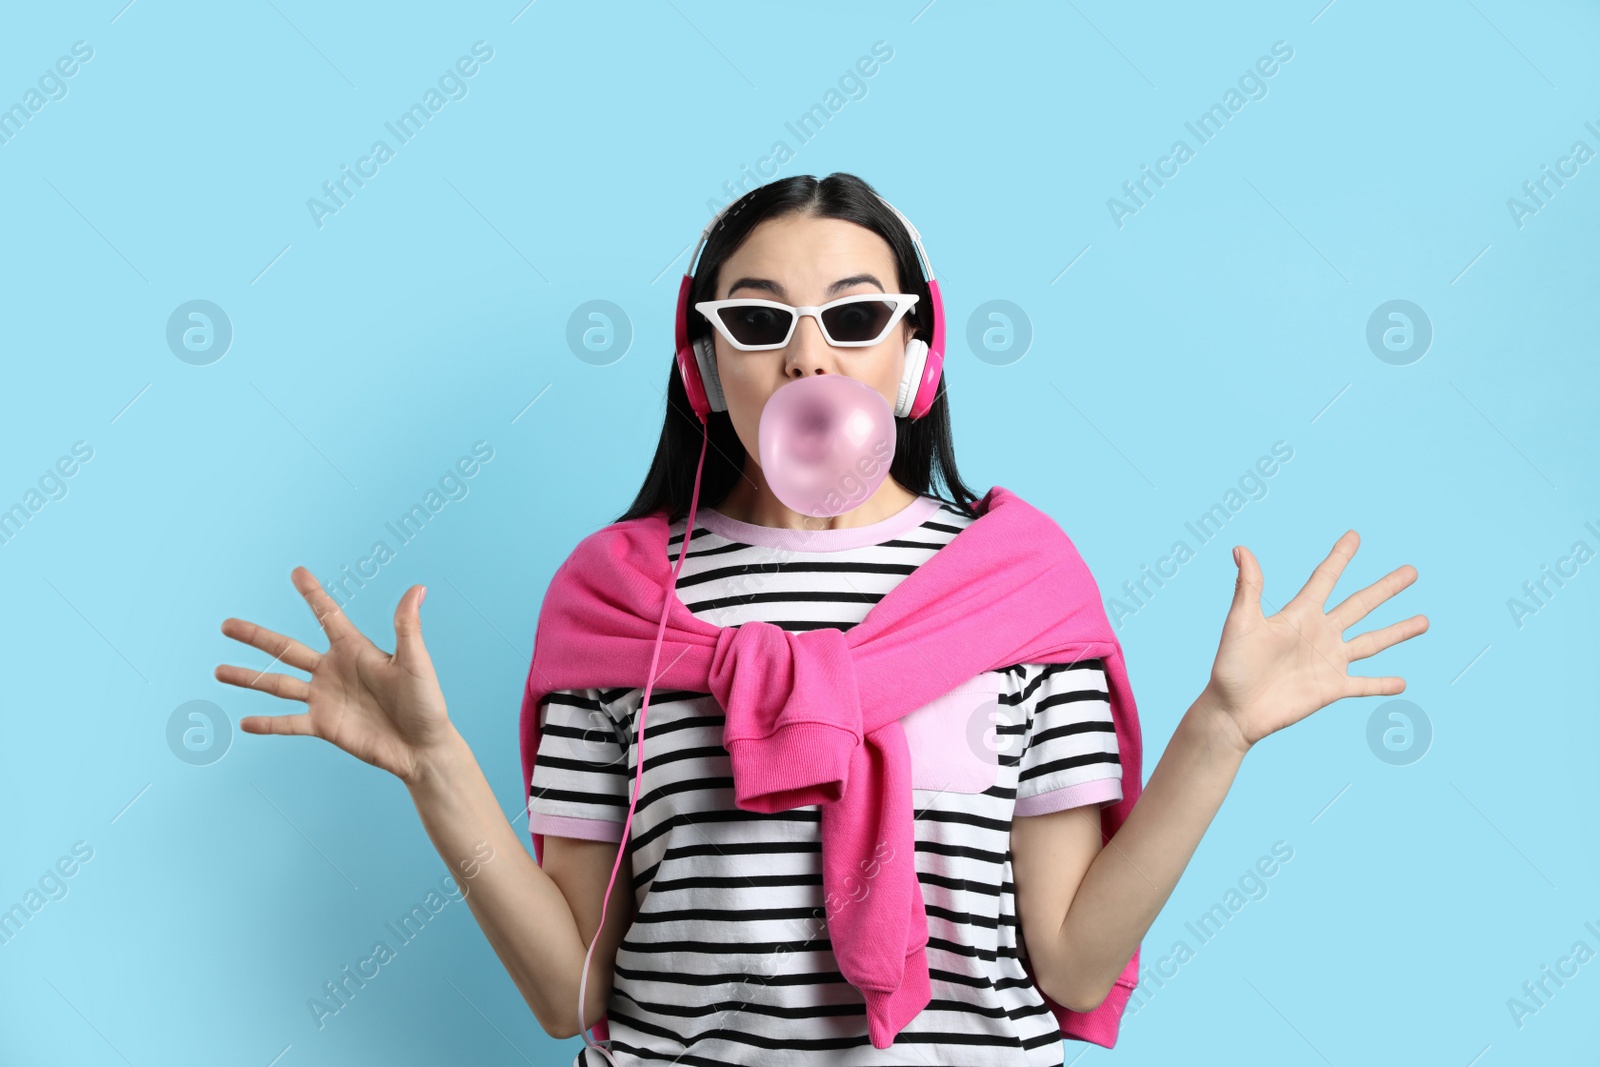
[334, 622]
[1247, 586]
[1326, 575]
[296, 725]
[1361, 686]
[285, 649]
[1358, 605]
[408, 613]
[1374, 641]
[279, 685]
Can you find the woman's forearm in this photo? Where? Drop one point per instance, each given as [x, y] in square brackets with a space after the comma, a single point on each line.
[520, 908]
[1134, 873]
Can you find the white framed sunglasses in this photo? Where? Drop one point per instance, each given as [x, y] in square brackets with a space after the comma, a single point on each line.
[753, 325]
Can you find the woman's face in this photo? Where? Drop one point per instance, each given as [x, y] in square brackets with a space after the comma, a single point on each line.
[804, 261]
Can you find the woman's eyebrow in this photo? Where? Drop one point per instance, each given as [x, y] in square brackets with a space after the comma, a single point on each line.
[770, 286]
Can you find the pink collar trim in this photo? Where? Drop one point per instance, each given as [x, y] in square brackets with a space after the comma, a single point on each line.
[905, 520]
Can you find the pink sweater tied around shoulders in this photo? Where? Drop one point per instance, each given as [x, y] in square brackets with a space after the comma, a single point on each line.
[813, 717]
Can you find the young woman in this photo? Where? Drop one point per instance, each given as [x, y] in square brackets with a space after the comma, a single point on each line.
[711, 949]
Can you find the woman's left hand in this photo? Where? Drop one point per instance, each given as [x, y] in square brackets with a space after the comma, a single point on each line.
[1271, 672]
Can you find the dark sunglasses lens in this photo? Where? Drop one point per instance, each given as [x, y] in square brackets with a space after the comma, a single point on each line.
[862, 320]
[754, 324]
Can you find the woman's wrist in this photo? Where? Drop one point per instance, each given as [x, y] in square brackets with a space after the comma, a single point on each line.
[1218, 723]
[440, 763]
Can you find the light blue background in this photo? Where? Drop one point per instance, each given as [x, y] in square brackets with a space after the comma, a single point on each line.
[369, 354]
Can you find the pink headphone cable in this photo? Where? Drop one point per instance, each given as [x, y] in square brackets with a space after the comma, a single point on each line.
[638, 777]
[919, 389]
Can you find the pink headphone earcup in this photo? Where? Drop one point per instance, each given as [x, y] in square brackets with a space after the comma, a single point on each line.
[692, 386]
[688, 368]
[926, 390]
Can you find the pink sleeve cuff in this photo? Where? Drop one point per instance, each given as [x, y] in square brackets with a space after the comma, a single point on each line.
[1099, 791]
[567, 826]
[802, 763]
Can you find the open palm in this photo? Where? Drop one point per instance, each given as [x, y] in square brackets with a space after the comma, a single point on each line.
[379, 707]
[1271, 672]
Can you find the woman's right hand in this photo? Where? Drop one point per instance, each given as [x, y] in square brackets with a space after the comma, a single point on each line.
[385, 709]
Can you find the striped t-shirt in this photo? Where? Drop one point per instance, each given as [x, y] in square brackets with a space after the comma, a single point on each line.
[727, 960]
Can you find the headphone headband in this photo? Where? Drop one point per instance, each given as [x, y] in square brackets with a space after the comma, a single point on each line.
[911, 231]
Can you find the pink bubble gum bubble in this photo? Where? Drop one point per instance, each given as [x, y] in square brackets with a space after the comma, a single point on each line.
[826, 443]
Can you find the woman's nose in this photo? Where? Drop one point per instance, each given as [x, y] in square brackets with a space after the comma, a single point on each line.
[809, 352]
